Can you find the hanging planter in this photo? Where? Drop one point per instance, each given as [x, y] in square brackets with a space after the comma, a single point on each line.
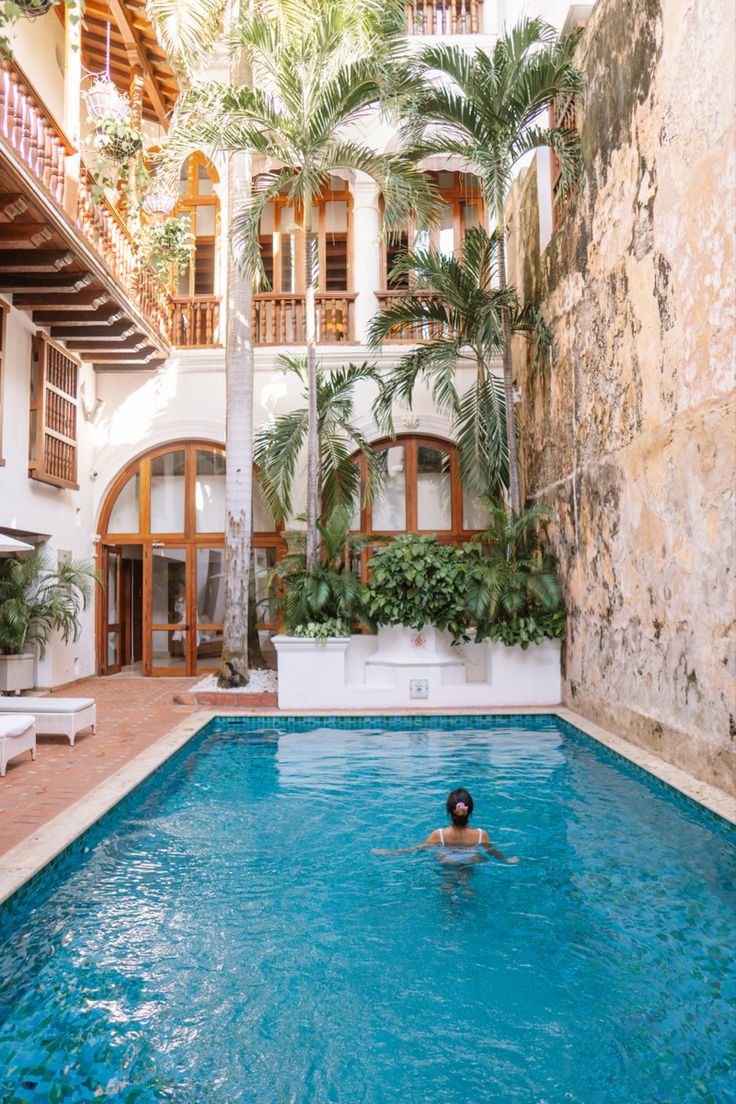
[103, 102]
[117, 142]
[31, 9]
[159, 201]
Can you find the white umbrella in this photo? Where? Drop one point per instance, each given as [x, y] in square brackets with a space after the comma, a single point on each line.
[9, 545]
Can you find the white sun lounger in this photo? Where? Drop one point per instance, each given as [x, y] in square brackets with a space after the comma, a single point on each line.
[67, 716]
[17, 734]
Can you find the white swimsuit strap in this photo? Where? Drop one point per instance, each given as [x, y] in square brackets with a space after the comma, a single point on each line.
[480, 836]
[442, 836]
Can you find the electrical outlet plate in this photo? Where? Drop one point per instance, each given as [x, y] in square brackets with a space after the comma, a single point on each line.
[418, 688]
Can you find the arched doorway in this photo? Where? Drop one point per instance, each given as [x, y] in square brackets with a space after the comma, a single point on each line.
[422, 493]
[162, 559]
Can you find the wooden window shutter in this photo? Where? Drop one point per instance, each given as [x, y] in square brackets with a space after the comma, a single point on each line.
[52, 451]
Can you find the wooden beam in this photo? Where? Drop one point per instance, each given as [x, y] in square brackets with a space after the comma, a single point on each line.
[34, 260]
[63, 300]
[110, 313]
[26, 233]
[142, 356]
[89, 333]
[98, 350]
[133, 43]
[75, 281]
[141, 366]
[12, 205]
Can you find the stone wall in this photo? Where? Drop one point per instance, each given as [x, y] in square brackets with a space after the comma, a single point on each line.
[630, 435]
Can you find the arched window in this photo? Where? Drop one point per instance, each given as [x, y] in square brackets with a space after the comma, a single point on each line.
[197, 199]
[422, 493]
[162, 557]
[461, 208]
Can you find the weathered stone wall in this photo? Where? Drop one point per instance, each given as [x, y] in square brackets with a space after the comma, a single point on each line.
[630, 436]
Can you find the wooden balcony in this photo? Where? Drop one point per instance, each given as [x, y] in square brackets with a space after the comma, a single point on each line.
[445, 17]
[195, 322]
[279, 319]
[89, 258]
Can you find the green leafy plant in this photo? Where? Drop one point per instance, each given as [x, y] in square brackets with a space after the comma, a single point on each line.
[168, 245]
[327, 594]
[513, 593]
[116, 141]
[37, 598]
[323, 630]
[417, 581]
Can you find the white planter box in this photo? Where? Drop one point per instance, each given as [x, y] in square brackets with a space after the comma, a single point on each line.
[16, 671]
[369, 672]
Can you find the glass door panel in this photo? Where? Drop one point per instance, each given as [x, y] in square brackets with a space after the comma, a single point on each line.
[210, 606]
[170, 626]
[112, 619]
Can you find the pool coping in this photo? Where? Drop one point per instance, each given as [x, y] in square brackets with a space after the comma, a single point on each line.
[26, 859]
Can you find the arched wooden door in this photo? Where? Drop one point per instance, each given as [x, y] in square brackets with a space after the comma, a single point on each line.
[162, 556]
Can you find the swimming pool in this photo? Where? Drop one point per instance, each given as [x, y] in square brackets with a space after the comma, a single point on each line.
[225, 935]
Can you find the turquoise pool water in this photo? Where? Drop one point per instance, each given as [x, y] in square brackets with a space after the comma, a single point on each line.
[225, 935]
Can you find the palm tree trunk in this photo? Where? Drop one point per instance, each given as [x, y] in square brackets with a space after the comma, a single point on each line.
[239, 368]
[310, 314]
[508, 374]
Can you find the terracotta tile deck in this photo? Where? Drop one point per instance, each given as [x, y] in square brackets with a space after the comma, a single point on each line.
[131, 715]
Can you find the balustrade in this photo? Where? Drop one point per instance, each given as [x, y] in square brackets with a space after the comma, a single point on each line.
[195, 321]
[409, 334]
[445, 17]
[280, 319]
[41, 144]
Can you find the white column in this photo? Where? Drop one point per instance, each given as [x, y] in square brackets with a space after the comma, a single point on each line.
[366, 255]
[72, 102]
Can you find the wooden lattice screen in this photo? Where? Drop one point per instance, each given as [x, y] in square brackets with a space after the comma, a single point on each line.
[561, 114]
[52, 454]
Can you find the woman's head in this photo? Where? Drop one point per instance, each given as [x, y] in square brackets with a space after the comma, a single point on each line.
[459, 807]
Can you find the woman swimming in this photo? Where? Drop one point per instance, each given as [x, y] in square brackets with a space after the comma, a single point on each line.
[459, 843]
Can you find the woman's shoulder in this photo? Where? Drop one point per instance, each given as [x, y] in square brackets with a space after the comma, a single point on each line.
[435, 837]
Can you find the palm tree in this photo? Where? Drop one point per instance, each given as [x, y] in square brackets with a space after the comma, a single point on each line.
[485, 108]
[279, 443]
[189, 30]
[458, 309]
[319, 69]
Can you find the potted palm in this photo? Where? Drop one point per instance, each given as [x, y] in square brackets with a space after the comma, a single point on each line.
[36, 599]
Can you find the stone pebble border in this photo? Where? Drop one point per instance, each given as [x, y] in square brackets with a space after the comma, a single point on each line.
[26, 859]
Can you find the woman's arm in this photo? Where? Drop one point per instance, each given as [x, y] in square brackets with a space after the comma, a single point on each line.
[431, 841]
[486, 843]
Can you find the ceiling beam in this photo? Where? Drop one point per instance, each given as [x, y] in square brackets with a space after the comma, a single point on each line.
[30, 233]
[75, 281]
[111, 313]
[136, 50]
[34, 260]
[12, 205]
[90, 333]
[63, 300]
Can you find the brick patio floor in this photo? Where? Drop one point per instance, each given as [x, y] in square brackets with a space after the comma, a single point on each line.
[131, 714]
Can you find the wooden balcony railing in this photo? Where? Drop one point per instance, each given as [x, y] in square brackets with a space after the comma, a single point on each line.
[445, 17]
[279, 319]
[409, 334]
[39, 141]
[195, 322]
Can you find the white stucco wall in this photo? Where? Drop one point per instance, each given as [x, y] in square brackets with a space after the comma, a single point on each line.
[67, 516]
